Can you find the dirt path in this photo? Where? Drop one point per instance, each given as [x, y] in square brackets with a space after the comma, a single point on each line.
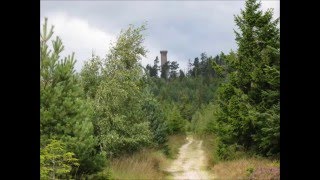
[191, 162]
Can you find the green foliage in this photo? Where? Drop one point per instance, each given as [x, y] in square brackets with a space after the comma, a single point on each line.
[173, 69]
[165, 69]
[188, 93]
[268, 135]
[120, 121]
[248, 102]
[176, 124]
[182, 97]
[207, 67]
[226, 152]
[55, 161]
[250, 170]
[245, 113]
[64, 114]
[152, 71]
[91, 76]
[127, 117]
[204, 120]
[103, 175]
[156, 117]
[219, 65]
[181, 74]
[129, 46]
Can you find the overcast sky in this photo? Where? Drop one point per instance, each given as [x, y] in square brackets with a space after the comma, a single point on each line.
[184, 28]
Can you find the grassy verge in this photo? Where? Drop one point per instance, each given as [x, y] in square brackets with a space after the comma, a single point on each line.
[147, 163]
[248, 168]
[245, 167]
[209, 143]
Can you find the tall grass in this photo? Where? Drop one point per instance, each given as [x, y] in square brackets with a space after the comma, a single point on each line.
[145, 164]
[248, 168]
[244, 167]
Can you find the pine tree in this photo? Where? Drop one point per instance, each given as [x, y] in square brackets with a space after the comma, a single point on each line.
[181, 74]
[196, 67]
[165, 69]
[152, 71]
[155, 68]
[173, 69]
[64, 114]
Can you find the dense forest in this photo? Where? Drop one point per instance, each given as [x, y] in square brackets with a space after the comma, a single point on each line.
[114, 106]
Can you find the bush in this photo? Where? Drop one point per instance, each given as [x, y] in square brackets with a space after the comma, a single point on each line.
[226, 151]
[176, 124]
[104, 175]
[55, 161]
[204, 120]
[166, 150]
[155, 115]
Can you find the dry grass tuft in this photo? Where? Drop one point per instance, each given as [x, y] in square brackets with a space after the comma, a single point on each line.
[248, 168]
[266, 173]
[243, 168]
[146, 164]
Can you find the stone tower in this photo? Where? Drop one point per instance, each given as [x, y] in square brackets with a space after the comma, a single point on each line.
[163, 57]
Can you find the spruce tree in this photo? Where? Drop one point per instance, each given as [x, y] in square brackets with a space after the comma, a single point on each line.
[249, 101]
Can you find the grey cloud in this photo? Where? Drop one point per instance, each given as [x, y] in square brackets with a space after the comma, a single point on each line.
[184, 28]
